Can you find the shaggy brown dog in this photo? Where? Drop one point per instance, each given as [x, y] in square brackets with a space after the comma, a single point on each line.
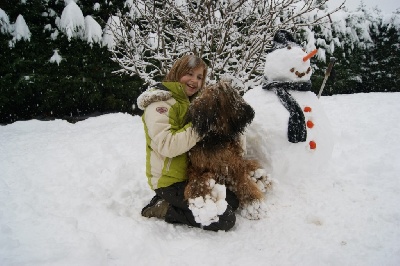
[220, 115]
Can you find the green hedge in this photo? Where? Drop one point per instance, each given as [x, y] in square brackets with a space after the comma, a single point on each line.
[82, 84]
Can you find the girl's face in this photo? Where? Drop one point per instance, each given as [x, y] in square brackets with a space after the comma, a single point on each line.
[192, 81]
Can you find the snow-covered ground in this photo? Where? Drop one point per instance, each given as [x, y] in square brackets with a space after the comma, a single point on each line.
[71, 194]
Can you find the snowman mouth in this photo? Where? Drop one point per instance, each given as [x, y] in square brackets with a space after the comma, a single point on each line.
[300, 74]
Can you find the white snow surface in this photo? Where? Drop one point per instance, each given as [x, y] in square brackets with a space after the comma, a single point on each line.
[71, 194]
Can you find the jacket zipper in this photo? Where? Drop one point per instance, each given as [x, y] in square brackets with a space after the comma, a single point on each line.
[169, 164]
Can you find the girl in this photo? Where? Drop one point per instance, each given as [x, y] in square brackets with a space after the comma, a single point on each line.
[168, 140]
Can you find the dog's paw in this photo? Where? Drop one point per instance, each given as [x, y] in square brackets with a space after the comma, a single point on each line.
[206, 209]
[255, 210]
[261, 178]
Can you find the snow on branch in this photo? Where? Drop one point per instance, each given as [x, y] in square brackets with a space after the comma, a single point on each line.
[20, 31]
[231, 36]
[4, 22]
[72, 22]
[74, 25]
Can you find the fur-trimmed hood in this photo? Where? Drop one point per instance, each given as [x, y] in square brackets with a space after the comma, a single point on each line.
[163, 92]
[154, 94]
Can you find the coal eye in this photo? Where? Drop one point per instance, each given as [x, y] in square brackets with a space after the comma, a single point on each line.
[304, 50]
[289, 47]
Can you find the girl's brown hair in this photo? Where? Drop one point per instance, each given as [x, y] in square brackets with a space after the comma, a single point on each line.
[183, 65]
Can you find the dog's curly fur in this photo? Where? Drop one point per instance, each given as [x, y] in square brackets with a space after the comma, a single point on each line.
[220, 115]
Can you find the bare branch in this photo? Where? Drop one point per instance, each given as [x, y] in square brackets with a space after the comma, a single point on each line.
[232, 36]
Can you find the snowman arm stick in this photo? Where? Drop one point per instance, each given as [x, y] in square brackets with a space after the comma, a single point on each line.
[327, 73]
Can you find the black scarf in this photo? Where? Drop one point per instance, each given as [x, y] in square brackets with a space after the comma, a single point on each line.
[297, 131]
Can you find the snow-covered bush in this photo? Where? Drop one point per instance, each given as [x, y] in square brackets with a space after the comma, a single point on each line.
[366, 45]
[231, 36]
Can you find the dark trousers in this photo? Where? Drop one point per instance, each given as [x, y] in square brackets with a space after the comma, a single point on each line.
[179, 212]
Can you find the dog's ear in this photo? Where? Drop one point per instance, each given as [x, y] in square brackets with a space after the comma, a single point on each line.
[242, 117]
[241, 114]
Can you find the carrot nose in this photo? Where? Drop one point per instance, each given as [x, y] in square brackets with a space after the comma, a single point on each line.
[311, 54]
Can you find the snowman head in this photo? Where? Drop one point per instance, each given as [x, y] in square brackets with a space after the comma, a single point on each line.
[287, 61]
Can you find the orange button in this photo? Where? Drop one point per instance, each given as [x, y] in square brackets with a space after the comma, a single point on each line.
[307, 109]
[313, 145]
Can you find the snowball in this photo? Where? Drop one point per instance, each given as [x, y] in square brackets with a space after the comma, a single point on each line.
[211, 208]
[259, 173]
[218, 192]
[221, 206]
[206, 209]
[198, 202]
[212, 183]
[260, 185]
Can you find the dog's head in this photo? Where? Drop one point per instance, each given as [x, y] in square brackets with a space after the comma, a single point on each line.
[220, 111]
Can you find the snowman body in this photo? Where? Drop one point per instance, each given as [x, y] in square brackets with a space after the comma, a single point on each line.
[286, 149]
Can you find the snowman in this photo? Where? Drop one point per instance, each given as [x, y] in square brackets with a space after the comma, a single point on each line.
[290, 134]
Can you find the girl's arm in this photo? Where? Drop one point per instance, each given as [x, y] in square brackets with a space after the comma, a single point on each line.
[166, 141]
